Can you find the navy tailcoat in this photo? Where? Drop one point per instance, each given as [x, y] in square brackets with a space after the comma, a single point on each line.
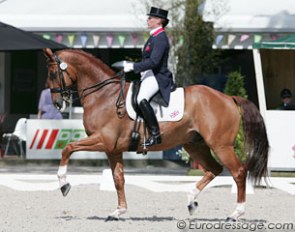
[155, 57]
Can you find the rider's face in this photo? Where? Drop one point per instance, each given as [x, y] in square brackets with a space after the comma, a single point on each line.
[153, 22]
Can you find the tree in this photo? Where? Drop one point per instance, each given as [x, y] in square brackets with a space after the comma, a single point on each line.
[235, 85]
[196, 56]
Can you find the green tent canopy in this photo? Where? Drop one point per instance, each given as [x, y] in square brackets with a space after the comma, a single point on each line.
[286, 42]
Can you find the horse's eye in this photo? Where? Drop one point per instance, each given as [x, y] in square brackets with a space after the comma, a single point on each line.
[52, 75]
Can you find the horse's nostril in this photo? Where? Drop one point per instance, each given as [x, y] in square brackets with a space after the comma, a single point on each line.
[57, 106]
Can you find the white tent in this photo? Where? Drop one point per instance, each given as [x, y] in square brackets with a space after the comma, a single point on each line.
[80, 24]
[67, 15]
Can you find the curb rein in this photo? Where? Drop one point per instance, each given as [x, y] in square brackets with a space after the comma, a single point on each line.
[66, 91]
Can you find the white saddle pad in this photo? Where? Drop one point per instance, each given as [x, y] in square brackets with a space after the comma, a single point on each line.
[172, 113]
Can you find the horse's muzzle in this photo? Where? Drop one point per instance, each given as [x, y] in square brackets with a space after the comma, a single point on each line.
[60, 104]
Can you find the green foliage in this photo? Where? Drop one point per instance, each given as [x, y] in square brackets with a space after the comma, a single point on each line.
[195, 56]
[235, 87]
[184, 156]
[239, 145]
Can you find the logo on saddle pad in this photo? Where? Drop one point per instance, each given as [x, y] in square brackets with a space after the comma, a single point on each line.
[172, 113]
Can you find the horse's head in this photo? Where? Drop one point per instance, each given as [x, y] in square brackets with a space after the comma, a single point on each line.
[61, 78]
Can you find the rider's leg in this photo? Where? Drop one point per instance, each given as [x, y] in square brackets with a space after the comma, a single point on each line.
[149, 87]
[152, 123]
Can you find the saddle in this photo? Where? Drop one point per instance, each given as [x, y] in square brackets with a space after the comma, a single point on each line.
[164, 113]
[172, 112]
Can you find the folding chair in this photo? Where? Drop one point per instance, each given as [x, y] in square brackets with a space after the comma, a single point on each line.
[19, 135]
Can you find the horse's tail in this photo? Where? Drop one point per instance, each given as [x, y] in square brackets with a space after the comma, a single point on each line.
[255, 138]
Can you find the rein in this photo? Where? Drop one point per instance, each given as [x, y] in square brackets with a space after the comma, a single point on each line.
[120, 103]
[66, 91]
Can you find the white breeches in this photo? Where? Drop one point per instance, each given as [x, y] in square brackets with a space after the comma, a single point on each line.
[149, 86]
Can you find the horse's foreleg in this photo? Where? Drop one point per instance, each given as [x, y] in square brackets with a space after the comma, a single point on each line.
[116, 164]
[87, 144]
[62, 170]
[230, 160]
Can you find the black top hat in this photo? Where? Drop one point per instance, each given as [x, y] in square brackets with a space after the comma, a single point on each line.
[286, 93]
[157, 12]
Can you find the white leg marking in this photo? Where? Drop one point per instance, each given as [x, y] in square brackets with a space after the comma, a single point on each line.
[239, 211]
[118, 212]
[62, 175]
[192, 195]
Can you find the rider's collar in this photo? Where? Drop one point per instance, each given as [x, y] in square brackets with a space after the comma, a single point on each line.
[155, 31]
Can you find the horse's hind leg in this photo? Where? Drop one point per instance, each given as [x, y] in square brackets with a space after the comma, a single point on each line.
[229, 159]
[201, 153]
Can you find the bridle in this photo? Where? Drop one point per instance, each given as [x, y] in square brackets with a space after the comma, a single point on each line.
[64, 90]
[67, 90]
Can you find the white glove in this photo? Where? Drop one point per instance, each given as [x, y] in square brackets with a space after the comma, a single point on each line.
[128, 66]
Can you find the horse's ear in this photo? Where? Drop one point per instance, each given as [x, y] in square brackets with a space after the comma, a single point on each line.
[48, 54]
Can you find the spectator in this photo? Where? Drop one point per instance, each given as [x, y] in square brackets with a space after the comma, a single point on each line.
[286, 98]
[46, 109]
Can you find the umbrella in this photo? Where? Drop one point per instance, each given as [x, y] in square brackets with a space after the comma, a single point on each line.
[12, 39]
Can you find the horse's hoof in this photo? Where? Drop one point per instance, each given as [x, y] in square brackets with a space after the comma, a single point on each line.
[111, 218]
[230, 219]
[192, 207]
[65, 189]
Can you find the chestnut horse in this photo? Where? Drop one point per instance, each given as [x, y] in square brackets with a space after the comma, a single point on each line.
[211, 122]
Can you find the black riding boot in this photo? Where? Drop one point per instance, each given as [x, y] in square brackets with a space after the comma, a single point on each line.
[152, 123]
